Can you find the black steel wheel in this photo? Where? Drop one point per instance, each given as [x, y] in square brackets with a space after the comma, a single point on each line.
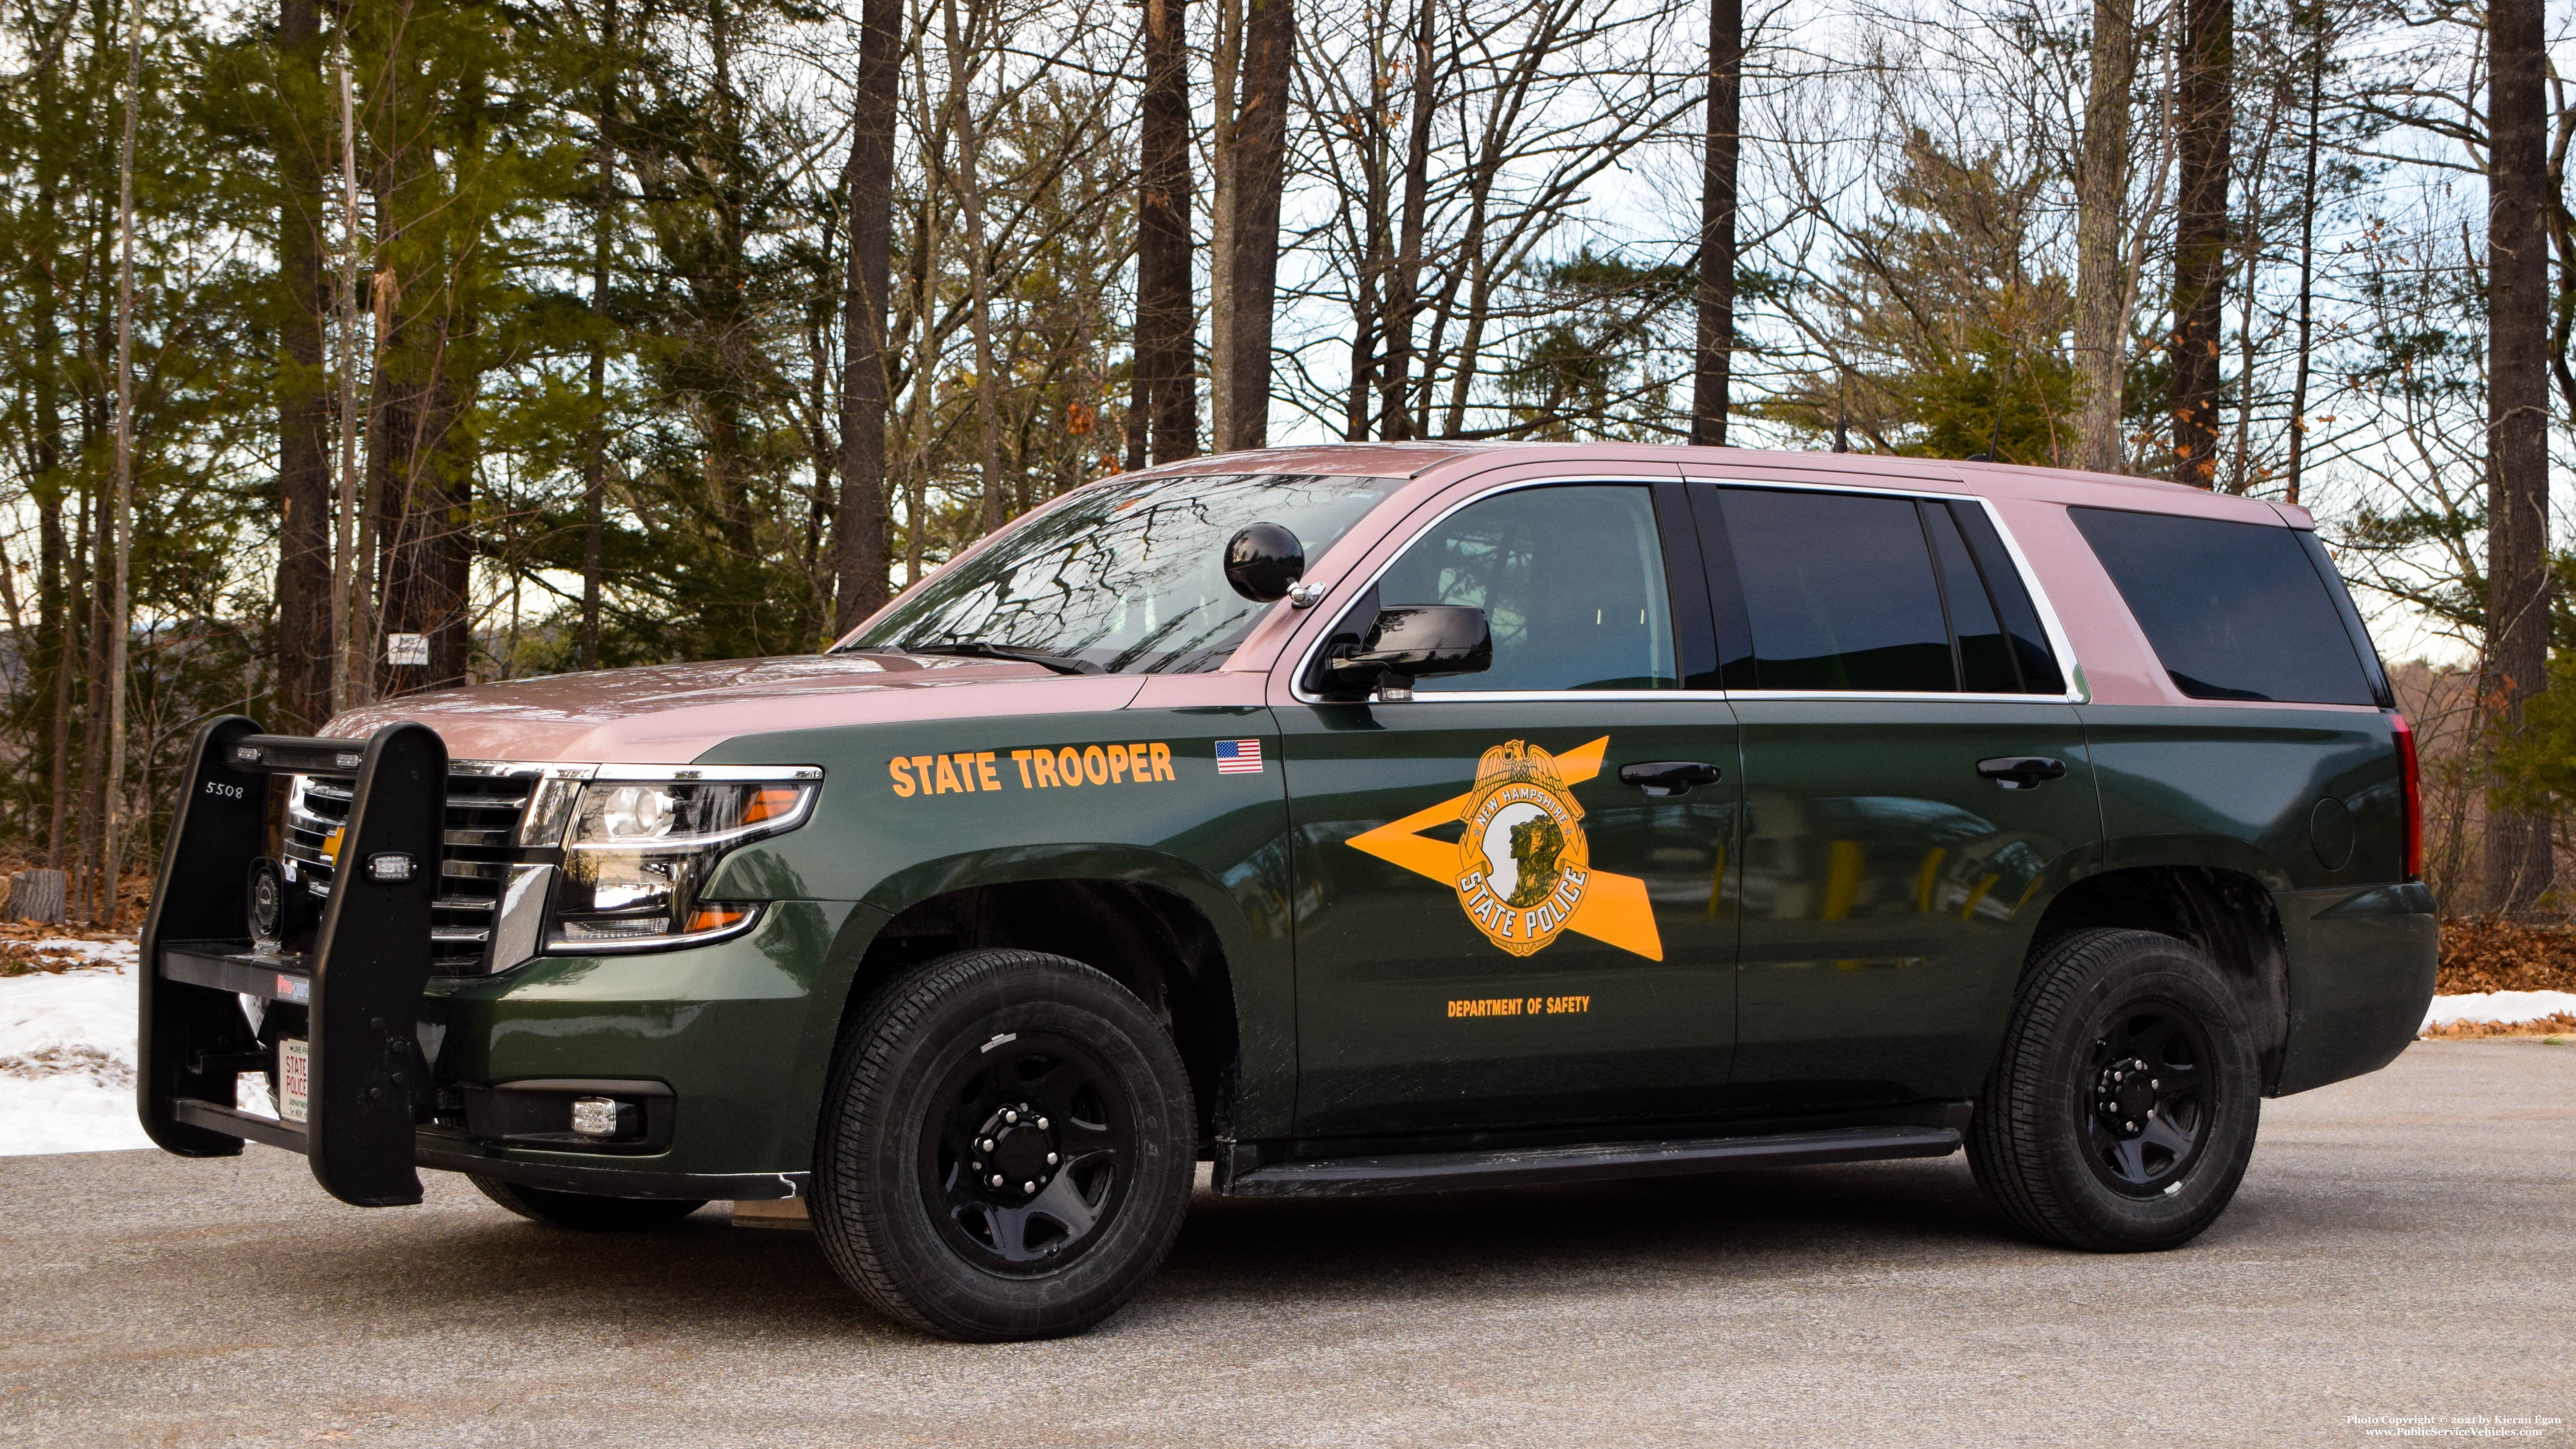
[585, 1211]
[2121, 1112]
[2147, 1104]
[1031, 1155]
[1007, 1147]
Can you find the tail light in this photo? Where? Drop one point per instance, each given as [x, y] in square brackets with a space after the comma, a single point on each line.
[2414, 777]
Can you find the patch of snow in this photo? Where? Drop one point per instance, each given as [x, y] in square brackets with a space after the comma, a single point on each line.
[67, 1057]
[2504, 1007]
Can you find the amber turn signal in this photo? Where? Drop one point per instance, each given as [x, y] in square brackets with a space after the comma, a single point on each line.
[715, 918]
[772, 803]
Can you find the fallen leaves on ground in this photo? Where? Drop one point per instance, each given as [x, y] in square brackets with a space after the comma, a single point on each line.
[2485, 954]
[2563, 1024]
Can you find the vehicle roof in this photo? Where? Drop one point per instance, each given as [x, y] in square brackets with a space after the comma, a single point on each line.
[1441, 462]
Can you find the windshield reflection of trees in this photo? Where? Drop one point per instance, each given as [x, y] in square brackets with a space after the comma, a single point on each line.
[1134, 580]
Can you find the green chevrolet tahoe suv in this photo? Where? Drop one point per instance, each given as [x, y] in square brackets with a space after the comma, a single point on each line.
[1355, 820]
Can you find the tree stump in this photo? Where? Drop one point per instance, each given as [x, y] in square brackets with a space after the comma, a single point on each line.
[37, 895]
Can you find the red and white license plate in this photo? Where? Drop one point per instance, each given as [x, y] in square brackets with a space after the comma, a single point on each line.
[294, 1078]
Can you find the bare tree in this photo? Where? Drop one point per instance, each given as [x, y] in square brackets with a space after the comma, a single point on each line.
[305, 641]
[1711, 380]
[2101, 199]
[860, 542]
[2204, 113]
[1165, 311]
[1246, 249]
[2518, 865]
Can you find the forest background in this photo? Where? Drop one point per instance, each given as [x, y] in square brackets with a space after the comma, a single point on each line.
[602, 332]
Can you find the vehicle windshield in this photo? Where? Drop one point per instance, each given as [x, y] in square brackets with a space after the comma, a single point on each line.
[1125, 580]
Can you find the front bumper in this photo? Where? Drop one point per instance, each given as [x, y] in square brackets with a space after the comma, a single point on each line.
[726, 1043]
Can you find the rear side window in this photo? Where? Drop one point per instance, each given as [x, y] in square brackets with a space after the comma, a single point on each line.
[1872, 593]
[2234, 610]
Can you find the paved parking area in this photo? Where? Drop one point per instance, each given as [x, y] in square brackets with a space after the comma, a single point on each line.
[2405, 1245]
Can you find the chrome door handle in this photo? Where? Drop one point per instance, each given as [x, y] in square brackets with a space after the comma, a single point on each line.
[2021, 772]
[1669, 777]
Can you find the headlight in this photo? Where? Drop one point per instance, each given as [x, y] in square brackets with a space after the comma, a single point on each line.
[638, 853]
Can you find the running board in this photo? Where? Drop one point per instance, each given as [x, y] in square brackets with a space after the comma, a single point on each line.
[1598, 1162]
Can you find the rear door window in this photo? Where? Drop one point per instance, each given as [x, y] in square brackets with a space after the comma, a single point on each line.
[2234, 610]
[1869, 593]
[1840, 592]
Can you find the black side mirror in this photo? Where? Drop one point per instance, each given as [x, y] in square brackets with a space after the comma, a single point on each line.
[1415, 642]
[1262, 560]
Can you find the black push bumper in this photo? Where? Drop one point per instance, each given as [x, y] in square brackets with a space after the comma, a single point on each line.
[359, 982]
[356, 977]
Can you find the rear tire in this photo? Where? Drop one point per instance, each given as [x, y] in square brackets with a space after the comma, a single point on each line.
[2121, 1112]
[584, 1211]
[1007, 1147]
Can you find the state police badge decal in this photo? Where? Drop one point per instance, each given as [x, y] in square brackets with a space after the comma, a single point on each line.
[1522, 860]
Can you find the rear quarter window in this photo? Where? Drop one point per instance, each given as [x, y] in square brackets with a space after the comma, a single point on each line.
[2234, 610]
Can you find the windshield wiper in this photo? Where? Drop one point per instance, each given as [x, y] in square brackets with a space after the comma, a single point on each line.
[978, 649]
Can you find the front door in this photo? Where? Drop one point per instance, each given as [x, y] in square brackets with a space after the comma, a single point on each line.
[1913, 775]
[1492, 928]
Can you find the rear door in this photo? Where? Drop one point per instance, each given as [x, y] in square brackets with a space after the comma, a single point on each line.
[1492, 928]
[1914, 775]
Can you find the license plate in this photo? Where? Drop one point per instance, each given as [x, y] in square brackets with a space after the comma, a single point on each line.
[294, 1078]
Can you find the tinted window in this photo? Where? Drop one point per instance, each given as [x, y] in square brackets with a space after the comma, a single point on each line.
[1839, 590]
[2234, 610]
[1571, 579]
[2039, 671]
[1985, 659]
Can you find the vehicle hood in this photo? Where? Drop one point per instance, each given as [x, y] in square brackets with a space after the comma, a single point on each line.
[673, 713]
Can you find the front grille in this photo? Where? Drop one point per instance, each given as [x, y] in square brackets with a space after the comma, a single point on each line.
[484, 805]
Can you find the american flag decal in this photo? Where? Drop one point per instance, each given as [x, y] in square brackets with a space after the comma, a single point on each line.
[1238, 757]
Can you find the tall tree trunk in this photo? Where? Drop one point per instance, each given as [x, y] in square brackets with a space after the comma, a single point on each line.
[304, 638]
[1713, 377]
[2101, 220]
[594, 482]
[859, 545]
[1225, 69]
[1404, 283]
[120, 608]
[2203, 113]
[979, 282]
[2518, 865]
[1250, 255]
[349, 668]
[2310, 140]
[49, 735]
[1163, 294]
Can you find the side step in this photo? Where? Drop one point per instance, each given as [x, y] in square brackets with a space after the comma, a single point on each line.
[1597, 1162]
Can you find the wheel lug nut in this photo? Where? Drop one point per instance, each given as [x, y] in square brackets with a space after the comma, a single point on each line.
[1042, 1124]
[1028, 1187]
[986, 1144]
[997, 1179]
[1051, 1159]
[1009, 1115]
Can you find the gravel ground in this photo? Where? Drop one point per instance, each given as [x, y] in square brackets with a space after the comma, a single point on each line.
[2405, 1245]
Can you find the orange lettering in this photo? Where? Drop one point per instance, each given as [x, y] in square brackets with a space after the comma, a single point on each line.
[897, 767]
[1161, 759]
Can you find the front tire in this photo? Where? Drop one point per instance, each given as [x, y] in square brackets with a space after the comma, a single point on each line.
[2121, 1112]
[1007, 1148]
